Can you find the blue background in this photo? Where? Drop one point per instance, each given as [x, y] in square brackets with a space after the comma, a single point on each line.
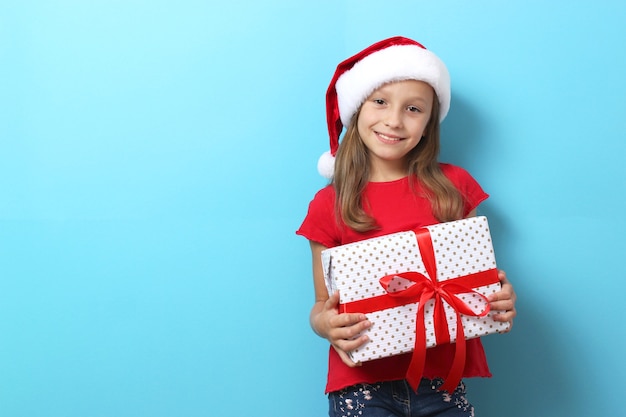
[156, 158]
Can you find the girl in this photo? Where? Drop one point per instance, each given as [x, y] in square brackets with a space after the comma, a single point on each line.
[386, 179]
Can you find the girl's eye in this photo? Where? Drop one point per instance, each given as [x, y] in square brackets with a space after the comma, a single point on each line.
[413, 109]
[379, 101]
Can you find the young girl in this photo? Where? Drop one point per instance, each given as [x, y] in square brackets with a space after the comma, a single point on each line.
[385, 179]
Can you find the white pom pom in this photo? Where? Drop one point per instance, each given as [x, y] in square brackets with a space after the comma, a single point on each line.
[326, 165]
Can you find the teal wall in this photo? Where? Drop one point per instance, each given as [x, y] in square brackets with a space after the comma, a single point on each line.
[156, 158]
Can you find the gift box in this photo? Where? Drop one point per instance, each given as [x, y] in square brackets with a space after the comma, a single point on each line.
[418, 289]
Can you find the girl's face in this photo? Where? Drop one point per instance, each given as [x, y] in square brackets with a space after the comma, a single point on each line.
[391, 123]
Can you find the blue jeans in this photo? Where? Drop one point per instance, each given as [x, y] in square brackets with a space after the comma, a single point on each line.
[397, 399]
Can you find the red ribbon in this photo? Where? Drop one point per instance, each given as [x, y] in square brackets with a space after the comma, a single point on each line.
[424, 289]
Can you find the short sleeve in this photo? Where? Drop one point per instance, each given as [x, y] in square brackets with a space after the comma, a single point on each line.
[320, 223]
[473, 194]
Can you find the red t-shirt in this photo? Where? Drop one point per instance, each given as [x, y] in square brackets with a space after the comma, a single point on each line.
[396, 208]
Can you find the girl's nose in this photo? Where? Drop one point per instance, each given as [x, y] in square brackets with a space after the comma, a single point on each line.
[393, 118]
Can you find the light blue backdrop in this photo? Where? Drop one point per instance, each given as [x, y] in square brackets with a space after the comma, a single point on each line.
[156, 158]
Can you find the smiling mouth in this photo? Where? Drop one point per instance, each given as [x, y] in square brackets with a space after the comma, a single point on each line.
[388, 139]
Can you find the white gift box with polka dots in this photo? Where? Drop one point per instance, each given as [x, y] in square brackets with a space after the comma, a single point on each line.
[460, 248]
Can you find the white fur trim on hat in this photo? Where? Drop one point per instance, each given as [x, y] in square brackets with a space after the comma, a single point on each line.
[395, 63]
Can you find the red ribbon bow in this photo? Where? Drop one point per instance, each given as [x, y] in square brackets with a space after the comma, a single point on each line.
[427, 288]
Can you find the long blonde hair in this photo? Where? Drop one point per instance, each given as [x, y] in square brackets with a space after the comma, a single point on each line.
[352, 172]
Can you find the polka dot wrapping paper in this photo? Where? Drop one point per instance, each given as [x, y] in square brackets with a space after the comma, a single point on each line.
[459, 254]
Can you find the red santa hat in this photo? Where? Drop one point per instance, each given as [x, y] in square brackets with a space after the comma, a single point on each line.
[393, 59]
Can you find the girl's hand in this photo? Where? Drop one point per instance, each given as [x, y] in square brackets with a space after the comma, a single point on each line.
[340, 329]
[504, 300]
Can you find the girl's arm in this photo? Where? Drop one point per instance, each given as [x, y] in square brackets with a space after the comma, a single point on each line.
[338, 329]
[505, 298]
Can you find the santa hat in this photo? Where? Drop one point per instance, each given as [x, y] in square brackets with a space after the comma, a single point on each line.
[393, 59]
